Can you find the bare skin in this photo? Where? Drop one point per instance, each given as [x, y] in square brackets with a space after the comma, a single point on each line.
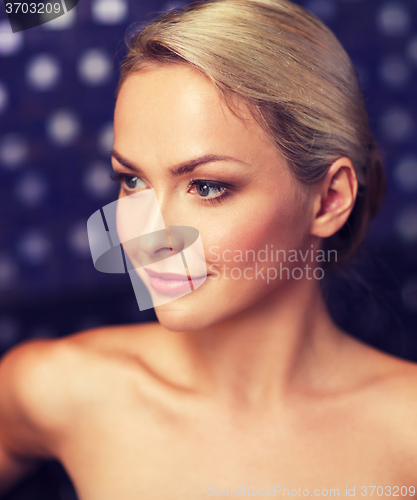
[243, 384]
[137, 422]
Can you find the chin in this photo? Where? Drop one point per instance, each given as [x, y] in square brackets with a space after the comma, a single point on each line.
[193, 311]
[186, 314]
[200, 310]
[178, 321]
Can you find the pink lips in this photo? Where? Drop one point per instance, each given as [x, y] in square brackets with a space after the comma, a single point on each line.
[169, 283]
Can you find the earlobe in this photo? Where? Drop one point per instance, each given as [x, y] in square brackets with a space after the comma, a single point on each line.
[335, 198]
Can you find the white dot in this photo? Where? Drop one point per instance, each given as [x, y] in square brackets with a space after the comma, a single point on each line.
[63, 127]
[8, 272]
[97, 181]
[62, 22]
[406, 224]
[397, 124]
[109, 11]
[324, 9]
[393, 19]
[4, 97]
[394, 71]
[43, 72]
[13, 151]
[405, 173]
[78, 239]
[409, 294]
[94, 67]
[10, 43]
[9, 331]
[31, 189]
[412, 50]
[106, 138]
[34, 247]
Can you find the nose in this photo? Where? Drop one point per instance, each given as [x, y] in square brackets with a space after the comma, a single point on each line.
[142, 229]
[154, 246]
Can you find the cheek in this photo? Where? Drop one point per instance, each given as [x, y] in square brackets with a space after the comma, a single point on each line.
[279, 224]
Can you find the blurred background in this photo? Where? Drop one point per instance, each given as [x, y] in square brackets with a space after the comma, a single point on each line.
[57, 84]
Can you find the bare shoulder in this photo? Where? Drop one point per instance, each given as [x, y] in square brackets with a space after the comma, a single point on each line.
[400, 388]
[388, 390]
[29, 397]
[396, 407]
[26, 375]
[382, 372]
[42, 381]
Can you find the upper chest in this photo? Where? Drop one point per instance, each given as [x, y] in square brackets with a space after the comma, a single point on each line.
[122, 450]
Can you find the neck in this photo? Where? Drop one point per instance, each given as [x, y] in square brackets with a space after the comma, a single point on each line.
[286, 340]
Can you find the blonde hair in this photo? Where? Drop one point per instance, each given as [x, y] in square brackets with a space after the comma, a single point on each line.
[294, 75]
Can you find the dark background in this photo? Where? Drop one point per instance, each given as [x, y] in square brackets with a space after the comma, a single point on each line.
[57, 84]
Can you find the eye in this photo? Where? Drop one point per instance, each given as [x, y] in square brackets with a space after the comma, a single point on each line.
[209, 191]
[206, 189]
[130, 182]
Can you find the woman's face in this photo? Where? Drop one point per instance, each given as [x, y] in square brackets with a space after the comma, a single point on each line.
[249, 201]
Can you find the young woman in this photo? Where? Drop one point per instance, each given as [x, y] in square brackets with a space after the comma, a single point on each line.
[246, 120]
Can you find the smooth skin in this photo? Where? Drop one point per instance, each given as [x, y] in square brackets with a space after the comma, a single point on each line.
[243, 383]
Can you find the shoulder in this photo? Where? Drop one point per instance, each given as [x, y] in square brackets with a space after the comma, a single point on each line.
[396, 405]
[399, 396]
[36, 371]
[42, 381]
[26, 379]
[378, 391]
[27, 397]
[385, 384]
[385, 378]
[389, 402]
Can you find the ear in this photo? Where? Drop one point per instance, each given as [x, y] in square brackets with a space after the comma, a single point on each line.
[335, 198]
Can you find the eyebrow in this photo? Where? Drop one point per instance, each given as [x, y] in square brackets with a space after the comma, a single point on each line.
[180, 169]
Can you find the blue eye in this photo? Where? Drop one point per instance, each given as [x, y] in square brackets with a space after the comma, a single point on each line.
[131, 182]
[209, 191]
[205, 189]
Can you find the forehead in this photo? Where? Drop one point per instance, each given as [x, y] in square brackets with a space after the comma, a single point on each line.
[170, 112]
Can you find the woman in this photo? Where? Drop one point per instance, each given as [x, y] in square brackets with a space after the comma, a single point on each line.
[245, 120]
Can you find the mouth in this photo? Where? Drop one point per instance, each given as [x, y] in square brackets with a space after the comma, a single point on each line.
[171, 283]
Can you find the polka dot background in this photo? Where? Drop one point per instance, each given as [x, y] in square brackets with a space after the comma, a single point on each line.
[57, 84]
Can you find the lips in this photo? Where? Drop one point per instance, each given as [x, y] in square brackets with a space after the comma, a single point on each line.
[171, 283]
[166, 276]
